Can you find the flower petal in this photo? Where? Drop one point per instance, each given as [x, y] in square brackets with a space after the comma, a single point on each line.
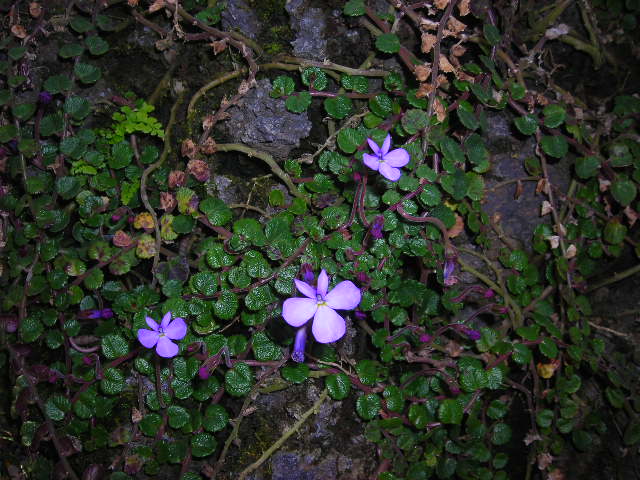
[153, 325]
[148, 338]
[373, 145]
[165, 320]
[389, 172]
[177, 329]
[297, 311]
[328, 326]
[166, 348]
[344, 296]
[386, 144]
[323, 283]
[305, 289]
[371, 161]
[397, 158]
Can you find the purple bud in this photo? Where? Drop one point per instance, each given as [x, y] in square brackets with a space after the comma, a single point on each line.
[307, 273]
[363, 278]
[357, 177]
[298, 344]
[489, 293]
[472, 334]
[455, 390]
[447, 274]
[425, 338]
[115, 218]
[45, 97]
[203, 373]
[360, 315]
[87, 360]
[106, 313]
[92, 314]
[376, 228]
[502, 310]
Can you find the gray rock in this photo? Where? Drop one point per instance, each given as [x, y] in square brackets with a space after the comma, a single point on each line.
[241, 17]
[264, 123]
[309, 23]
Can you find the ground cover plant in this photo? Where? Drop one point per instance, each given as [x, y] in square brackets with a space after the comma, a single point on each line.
[144, 314]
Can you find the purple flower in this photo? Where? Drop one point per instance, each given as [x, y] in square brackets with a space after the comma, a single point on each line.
[45, 97]
[95, 314]
[203, 373]
[327, 326]
[298, 344]
[471, 333]
[447, 274]
[376, 228]
[387, 162]
[160, 336]
[307, 273]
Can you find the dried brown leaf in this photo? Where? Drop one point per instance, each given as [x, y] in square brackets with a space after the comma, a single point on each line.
[441, 4]
[422, 72]
[18, 31]
[455, 26]
[457, 228]
[157, 5]
[189, 148]
[445, 65]
[177, 178]
[463, 7]
[428, 41]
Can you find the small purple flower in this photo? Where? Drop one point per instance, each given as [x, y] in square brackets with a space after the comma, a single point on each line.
[447, 275]
[105, 313]
[376, 228]
[387, 162]
[489, 293]
[203, 373]
[471, 333]
[160, 336]
[45, 97]
[299, 344]
[307, 273]
[321, 305]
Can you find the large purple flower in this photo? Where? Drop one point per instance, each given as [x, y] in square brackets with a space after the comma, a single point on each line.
[327, 326]
[160, 336]
[387, 162]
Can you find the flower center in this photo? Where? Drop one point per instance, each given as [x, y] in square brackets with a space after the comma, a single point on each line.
[319, 300]
[380, 158]
[161, 332]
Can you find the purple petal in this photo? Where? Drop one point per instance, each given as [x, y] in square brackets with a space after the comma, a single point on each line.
[397, 158]
[148, 338]
[166, 348]
[305, 289]
[153, 325]
[373, 145]
[344, 296]
[328, 326]
[297, 311]
[165, 320]
[371, 161]
[323, 283]
[389, 172]
[386, 145]
[177, 329]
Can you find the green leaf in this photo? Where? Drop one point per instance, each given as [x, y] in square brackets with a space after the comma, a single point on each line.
[450, 411]
[112, 381]
[282, 85]
[298, 102]
[381, 105]
[554, 115]
[414, 120]
[527, 124]
[357, 83]
[492, 34]
[350, 139]
[57, 84]
[226, 306]
[368, 405]
[114, 346]
[251, 230]
[97, 46]
[296, 374]
[544, 418]
[624, 191]
[548, 348]
[150, 424]
[394, 398]
[87, 73]
[178, 416]
[71, 50]
[521, 354]
[497, 409]
[238, 380]
[314, 77]
[467, 117]
[5, 96]
[216, 210]
[500, 434]
[77, 107]
[215, 418]
[632, 433]
[338, 107]
[614, 232]
[56, 407]
[388, 43]
[338, 386]
[8, 132]
[555, 146]
[203, 444]
[473, 379]
[264, 350]
[24, 111]
[354, 8]
[81, 24]
[16, 53]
